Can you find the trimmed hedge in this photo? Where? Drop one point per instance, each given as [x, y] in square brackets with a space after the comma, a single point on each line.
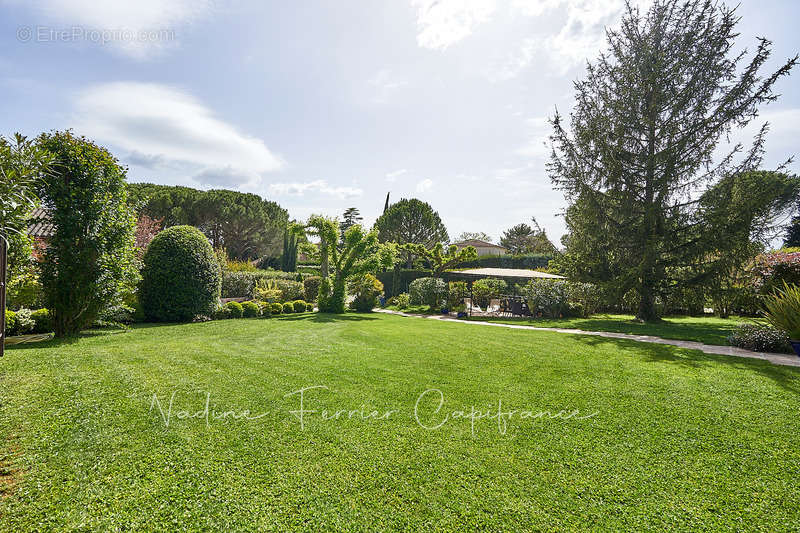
[277, 308]
[299, 306]
[235, 309]
[531, 261]
[241, 284]
[288, 308]
[180, 277]
[250, 309]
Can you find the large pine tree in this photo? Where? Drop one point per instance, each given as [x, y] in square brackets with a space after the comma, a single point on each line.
[639, 151]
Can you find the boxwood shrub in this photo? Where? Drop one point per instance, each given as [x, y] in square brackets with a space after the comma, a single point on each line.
[180, 277]
[250, 310]
[236, 309]
[309, 307]
[42, 322]
[11, 323]
[277, 308]
[288, 308]
[299, 306]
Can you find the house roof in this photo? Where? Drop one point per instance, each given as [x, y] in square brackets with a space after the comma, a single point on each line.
[477, 244]
[508, 273]
[39, 224]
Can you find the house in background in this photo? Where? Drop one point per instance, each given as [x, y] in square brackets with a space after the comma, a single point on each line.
[40, 228]
[484, 248]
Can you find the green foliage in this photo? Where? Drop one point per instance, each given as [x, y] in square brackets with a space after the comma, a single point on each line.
[782, 310]
[25, 290]
[793, 232]
[456, 292]
[411, 222]
[90, 260]
[251, 310]
[309, 307]
[760, 338]
[527, 261]
[428, 291]
[242, 284]
[586, 297]
[118, 315]
[636, 159]
[233, 265]
[299, 306]
[366, 288]
[222, 313]
[267, 290]
[248, 226]
[180, 277]
[773, 270]
[276, 308]
[290, 289]
[12, 324]
[288, 308]
[235, 309]
[484, 290]
[22, 165]
[438, 259]
[358, 253]
[42, 321]
[548, 297]
[311, 288]
[401, 301]
[25, 323]
[523, 239]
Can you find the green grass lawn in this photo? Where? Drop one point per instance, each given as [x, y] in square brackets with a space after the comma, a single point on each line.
[678, 439]
[708, 330]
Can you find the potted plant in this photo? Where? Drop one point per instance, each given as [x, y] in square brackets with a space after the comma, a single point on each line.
[782, 310]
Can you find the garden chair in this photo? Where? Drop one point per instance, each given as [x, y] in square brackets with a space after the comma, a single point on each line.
[494, 306]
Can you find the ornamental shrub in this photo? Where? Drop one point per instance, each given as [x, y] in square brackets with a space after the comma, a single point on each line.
[241, 284]
[180, 277]
[774, 269]
[222, 313]
[428, 291]
[488, 289]
[401, 301]
[366, 289]
[548, 297]
[288, 308]
[311, 288]
[250, 310]
[25, 323]
[277, 308]
[299, 306]
[309, 307]
[25, 290]
[584, 298]
[456, 292]
[236, 309]
[760, 338]
[42, 322]
[11, 323]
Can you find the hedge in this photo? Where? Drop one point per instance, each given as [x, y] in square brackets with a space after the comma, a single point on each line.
[241, 284]
[528, 261]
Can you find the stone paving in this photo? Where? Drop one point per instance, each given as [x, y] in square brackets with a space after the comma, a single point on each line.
[774, 358]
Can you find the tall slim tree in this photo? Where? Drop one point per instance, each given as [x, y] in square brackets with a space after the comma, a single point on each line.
[640, 145]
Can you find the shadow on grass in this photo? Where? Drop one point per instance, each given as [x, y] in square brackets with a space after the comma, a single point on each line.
[787, 377]
[65, 341]
[326, 317]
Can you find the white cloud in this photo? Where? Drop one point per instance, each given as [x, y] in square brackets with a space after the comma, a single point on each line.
[164, 126]
[539, 130]
[424, 185]
[317, 186]
[140, 19]
[392, 176]
[445, 22]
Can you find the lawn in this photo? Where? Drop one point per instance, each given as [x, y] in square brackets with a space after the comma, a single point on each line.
[707, 329]
[663, 437]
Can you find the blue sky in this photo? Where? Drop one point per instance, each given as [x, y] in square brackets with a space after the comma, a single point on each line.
[326, 105]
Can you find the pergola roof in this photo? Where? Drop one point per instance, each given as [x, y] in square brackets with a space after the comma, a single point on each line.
[508, 273]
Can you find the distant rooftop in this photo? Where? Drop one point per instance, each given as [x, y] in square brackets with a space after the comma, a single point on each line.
[477, 244]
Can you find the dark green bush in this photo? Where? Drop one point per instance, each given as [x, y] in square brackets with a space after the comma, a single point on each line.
[288, 308]
[428, 291]
[311, 288]
[266, 310]
[366, 289]
[309, 307]
[236, 309]
[222, 313]
[11, 323]
[251, 310]
[41, 319]
[299, 306]
[180, 277]
[277, 308]
[528, 261]
[485, 290]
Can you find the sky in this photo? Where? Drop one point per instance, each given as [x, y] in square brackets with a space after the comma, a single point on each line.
[322, 106]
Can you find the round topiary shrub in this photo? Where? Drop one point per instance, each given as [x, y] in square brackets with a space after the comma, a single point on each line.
[11, 323]
[299, 306]
[309, 307]
[277, 308]
[221, 313]
[181, 276]
[266, 311]
[251, 309]
[288, 308]
[235, 308]
[41, 320]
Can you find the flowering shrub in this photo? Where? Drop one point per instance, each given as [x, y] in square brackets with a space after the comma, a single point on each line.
[428, 291]
[760, 338]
